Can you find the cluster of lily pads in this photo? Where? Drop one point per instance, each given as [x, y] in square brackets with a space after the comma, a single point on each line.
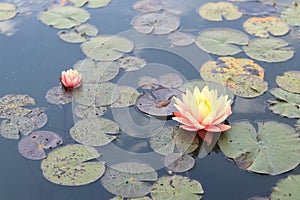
[259, 151]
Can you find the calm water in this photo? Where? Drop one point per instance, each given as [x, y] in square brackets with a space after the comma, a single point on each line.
[31, 61]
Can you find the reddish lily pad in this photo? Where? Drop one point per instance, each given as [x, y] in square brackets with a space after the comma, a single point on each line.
[11, 128]
[58, 96]
[33, 145]
[289, 81]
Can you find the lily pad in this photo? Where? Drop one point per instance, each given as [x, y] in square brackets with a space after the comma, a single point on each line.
[262, 26]
[148, 6]
[247, 86]
[286, 104]
[269, 50]
[156, 23]
[221, 41]
[168, 140]
[64, 17]
[273, 149]
[289, 81]
[287, 189]
[107, 48]
[69, 165]
[85, 112]
[131, 63]
[10, 128]
[96, 72]
[160, 104]
[181, 39]
[38, 117]
[255, 8]
[91, 3]
[11, 105]
[58, 96]
[177, 188]
[33, 145]
[148, 82]
[94, 131]
[78, 34]
[7, 11]
[129, 180]
[170, 80]
[215, 11]
[140, 198]
[128, 96]
[291, 15]
[178, 162]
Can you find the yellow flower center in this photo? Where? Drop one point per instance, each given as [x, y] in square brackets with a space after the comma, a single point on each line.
[204, 105]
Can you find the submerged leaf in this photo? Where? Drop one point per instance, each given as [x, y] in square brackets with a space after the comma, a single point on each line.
[273, 149]
[287, 189]
[148, 82]
[289, 81]
[58, 96]
[7, 11]
[181, 39]
[131, 63]
[170, 80]
[148, 6]
[10, 128]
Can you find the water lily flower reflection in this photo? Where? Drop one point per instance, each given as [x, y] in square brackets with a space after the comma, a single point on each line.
[70, 79]
[203, 111]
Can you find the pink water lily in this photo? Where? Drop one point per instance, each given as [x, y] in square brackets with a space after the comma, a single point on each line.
[203, 110]
[70, 79]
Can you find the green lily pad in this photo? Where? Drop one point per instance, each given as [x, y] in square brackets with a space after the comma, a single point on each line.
[107, 48]
[286, 103]
[148, 82]
[69, 165]
[85, 112]
[11, 105]
[128, 96]
[169, 139]
[221, 41]
[178, 162]
[273, 149]
[262, 26]
[181, 39]
[7, 11]
[96, 72]
[170, 80]
[78, 34]
[33, 145]
[176, 188]
[11, 128]
[94, 131]
[64, 17]
[289, 81]
[38, 117]
[58, 96]
[297, 126]
[269, 50]
[91, 3]
[131, 63]
[129, 180]
[156, 23]
[291, 15]
[140, 198]
[287, 189]
[148, 6]
[215, 11]
[247, 86]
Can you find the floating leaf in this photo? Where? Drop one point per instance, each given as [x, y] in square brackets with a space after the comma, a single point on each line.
[107, 48]
[221, 41]
[38, 117]
[247, 86]
[178, 162]
[96, 72]
[287, 189]
[140, 198]
[94, 131]
[10, 128]
[128, 96]
[297, 126]
[64, 17]
[33, 145]
[156, 23]
[129, 179]
[181, 39]
[215, 11]
[7, 11]
[289, 81]
[160, 104]
[68, 165]
[262, 26]
[166, 140]
[291, 15]
[148, 6]
[273, 149]
[91, 3]
[286, 104]
[269, 50]
[58, 96]
[170, 80]
[148, 82]
[84, 112]
[78, 34]
[131, 63]
[177, 188]
[11, 105]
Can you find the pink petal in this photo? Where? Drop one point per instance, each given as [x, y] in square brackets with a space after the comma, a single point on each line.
[189, 128]
[206, 136]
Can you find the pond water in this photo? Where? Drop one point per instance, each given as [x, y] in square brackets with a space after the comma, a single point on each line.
[31, 61]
